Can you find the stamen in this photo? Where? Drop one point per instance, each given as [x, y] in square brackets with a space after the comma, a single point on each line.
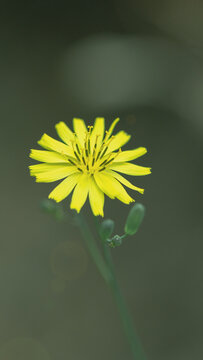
[95, 146]
[103, 168]
[89, 146]
[110, 140]
[108, 157]
[109, 161]
[78, 150]
[76, 155]
[98, 155]
[104, 148]
[83, 159]
[104, 152]
[119, 151]
[107, 135]
[90, 127]
[104, 162]
[72, 162]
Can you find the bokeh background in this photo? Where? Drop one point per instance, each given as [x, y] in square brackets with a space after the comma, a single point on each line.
[142, 61]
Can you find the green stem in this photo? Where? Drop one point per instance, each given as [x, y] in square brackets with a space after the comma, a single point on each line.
[107, 271]
[123, 236]
[134, 342]
[93, 248]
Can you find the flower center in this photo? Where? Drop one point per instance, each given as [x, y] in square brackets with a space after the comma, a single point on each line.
[92, 155]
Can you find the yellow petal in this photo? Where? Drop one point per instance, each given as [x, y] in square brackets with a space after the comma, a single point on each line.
[111, 187]
[80, 130]
[38, 168]
[80, 193]
[98, 131]
[111, 129]
[61, 191]
[64, 132]
[96, 198]
[50, 172]
[130, 169]
[130, 155]
[47, 142]
[47, 156]
[124, 181]
[104, 183]
[120, 139]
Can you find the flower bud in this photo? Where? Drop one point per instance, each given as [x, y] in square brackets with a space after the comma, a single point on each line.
[106, 229]
[134, 219]
[50, 207]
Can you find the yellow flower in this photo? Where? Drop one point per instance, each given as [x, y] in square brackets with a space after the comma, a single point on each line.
[88, 161]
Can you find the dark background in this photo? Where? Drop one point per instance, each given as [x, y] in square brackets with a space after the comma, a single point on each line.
[142, 61]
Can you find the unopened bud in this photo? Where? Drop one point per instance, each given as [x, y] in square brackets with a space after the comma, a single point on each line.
[50, 207]
[134, 219]
[106, 229]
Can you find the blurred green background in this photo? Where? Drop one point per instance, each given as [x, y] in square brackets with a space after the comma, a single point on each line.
[142, 61]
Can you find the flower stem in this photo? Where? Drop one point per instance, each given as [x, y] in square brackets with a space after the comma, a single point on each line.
[93, 248]
[107, 271]
[134, 342]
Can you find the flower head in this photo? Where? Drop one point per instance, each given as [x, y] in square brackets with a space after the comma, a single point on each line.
[88, 160]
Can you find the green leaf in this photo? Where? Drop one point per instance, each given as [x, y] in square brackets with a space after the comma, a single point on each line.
[134, 219]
